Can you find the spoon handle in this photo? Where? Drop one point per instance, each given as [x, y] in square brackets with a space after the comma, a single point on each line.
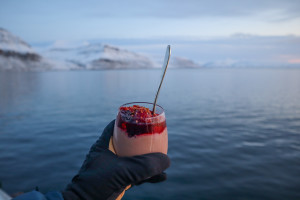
[165, 66]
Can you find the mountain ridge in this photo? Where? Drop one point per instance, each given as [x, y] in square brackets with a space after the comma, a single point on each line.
[17, 55]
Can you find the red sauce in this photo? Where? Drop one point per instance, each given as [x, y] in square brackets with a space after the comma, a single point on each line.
[138, 120]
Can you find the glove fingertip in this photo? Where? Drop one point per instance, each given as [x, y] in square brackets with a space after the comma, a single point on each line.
[153, 163]
[162, 159]
[108, 130]
[155, 179]
[103, 141]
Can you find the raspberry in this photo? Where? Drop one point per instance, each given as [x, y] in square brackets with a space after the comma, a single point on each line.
[137, 112]
[138, 120]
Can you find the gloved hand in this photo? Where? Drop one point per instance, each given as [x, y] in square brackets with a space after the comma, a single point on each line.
[104, 175]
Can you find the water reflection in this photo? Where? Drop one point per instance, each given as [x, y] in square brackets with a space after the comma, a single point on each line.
[233, 134]
[16, 88]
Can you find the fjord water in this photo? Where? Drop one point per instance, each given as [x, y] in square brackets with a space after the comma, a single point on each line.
[233, 133]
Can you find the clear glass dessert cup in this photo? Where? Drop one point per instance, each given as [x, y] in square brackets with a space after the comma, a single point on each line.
[138, 134]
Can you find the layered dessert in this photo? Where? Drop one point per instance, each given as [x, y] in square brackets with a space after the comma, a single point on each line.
[139, 131]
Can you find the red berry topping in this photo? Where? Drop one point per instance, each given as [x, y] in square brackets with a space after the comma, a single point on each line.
[138, 113]
[138, 120]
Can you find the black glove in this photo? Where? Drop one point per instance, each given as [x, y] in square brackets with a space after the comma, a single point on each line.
[104, 175]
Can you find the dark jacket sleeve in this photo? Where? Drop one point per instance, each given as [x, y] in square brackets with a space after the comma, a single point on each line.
[35, 195]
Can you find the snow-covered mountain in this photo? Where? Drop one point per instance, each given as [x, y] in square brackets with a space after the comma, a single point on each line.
[15, 54]
[98, 56]
[179, 62]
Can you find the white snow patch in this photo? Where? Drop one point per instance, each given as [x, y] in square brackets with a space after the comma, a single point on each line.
[10, 42]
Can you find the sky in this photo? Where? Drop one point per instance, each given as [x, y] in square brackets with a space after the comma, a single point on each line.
[225, 25]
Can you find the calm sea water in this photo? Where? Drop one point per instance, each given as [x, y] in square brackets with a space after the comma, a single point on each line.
[233, 133]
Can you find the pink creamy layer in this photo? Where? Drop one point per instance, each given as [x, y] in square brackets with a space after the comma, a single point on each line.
[140, 144]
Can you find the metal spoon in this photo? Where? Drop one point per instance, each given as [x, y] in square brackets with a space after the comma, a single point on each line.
[165, 66]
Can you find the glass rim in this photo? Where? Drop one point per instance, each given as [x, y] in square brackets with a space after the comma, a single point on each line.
[143, 102]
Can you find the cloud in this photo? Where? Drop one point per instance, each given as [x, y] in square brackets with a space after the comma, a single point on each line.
[284, 9]
[294, 61]
[238, 48]
[77, 19]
